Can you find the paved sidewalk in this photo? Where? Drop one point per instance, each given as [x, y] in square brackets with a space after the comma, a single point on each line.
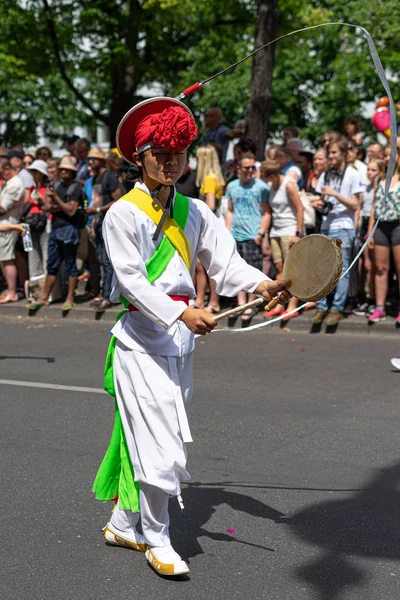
[83, 312]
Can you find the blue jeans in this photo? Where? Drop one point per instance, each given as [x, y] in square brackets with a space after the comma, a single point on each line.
[103, 259]
[339, 300]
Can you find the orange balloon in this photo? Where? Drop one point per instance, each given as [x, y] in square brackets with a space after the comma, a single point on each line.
[384, 101]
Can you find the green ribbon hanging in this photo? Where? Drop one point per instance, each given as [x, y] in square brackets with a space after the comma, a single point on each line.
[115, 476]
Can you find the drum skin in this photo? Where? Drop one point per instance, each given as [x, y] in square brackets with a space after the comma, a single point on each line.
[314, 264]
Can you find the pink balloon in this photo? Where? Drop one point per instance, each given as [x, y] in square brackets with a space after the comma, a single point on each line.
[381, 119]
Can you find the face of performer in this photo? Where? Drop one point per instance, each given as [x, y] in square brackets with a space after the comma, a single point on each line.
[320, 163]
[335, 157]
[247, 170]
[161, 166]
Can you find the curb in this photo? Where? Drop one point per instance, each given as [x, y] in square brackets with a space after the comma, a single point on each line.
[82, 312]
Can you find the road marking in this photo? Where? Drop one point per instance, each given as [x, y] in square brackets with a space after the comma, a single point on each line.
[52, 386]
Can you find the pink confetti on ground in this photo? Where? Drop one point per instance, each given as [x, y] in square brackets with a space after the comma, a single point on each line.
[230, 530]
[303, 349]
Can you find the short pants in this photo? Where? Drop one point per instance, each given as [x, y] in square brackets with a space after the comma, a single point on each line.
[280, 247]
[387, 234]
[251, 253]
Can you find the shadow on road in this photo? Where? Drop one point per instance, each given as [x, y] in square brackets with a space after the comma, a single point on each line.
[200, 504]
[366, 524]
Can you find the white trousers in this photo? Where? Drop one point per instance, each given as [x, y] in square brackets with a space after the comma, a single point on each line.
[153, 395]
[153, 514]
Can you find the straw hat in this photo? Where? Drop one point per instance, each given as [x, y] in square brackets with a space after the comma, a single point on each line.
[68, 162]
[97, 152]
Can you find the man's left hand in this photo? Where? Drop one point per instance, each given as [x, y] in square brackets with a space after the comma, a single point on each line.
[90, 210]
[269, 289]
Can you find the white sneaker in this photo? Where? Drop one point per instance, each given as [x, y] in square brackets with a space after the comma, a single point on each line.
[165, 561]
[396, 363]
[133, 540]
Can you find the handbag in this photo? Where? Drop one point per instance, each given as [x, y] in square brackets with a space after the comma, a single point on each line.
[309, 210]
[37, 221]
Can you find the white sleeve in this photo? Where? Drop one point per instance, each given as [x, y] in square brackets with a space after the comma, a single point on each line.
[219, 256]
[123, 249]
[11, 194]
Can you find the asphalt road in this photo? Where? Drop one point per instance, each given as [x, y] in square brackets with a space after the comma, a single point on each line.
[296, 449]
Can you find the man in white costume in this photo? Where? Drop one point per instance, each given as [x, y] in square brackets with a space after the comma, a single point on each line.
[153, 236]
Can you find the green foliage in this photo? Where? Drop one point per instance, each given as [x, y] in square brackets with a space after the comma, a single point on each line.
[113, 51]
[325, 75]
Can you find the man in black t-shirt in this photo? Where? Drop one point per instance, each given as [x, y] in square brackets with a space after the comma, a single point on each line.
[64, 201]
[106, 189]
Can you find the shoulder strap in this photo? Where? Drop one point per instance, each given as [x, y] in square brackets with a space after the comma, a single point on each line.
[72, 188]
[172, 228]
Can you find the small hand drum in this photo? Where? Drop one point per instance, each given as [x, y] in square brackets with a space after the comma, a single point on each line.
[314, 264]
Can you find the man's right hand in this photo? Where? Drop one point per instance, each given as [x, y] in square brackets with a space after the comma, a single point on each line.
[198, 320]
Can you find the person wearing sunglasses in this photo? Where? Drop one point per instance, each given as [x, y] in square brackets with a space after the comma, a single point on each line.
[248, 220]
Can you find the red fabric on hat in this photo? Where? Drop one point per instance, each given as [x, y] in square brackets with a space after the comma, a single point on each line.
[174, 129]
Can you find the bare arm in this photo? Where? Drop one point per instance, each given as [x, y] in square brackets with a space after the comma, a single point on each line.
[294, 199]
[68, 208]
[210, 200]
[229, 216]
[351, 203]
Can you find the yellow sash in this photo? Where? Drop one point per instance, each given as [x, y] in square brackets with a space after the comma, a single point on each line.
[170, 227]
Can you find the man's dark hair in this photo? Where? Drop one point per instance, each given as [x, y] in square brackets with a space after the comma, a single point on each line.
[247, 155]
[4, 162]
[246, 145]
[84, 141]
[308, 155]
[361, 153]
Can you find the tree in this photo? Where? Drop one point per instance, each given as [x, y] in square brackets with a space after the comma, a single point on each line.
[65, 63]
[261, 78]
[105, 53]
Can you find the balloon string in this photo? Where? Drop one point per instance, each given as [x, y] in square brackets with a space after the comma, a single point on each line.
[393, 142]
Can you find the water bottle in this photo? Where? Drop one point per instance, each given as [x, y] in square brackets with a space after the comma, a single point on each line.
[27, 240]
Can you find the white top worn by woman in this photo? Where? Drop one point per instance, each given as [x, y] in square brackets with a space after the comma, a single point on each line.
[154, 329]
[284, 221]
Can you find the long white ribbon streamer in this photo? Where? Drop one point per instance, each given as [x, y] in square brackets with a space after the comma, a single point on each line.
[390, 171]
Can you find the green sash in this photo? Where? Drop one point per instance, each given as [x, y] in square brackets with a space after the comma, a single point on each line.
[115, 476]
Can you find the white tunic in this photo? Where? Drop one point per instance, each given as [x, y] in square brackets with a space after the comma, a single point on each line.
[128, 232]
[154, 391]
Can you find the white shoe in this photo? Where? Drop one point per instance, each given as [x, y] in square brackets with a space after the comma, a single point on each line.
[396, 363]
[165, 561]
[133, 540]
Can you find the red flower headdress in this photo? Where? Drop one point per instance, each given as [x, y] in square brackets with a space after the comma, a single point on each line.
[174, 129]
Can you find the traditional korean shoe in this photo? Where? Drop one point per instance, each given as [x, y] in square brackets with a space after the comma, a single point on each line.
[166, 562]
[133, 540]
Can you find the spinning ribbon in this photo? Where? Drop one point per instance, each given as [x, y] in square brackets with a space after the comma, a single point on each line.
[381, 73]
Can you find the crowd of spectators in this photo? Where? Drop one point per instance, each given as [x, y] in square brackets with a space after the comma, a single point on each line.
[336, 189]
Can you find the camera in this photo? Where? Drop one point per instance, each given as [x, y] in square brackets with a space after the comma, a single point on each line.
[327, 207]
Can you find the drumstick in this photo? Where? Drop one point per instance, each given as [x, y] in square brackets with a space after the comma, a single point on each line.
[239, 309]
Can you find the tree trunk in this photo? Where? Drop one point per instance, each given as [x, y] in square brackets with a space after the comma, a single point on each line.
[258, 108]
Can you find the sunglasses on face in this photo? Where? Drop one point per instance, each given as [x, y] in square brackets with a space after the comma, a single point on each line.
[248, 168]
[350, 147]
